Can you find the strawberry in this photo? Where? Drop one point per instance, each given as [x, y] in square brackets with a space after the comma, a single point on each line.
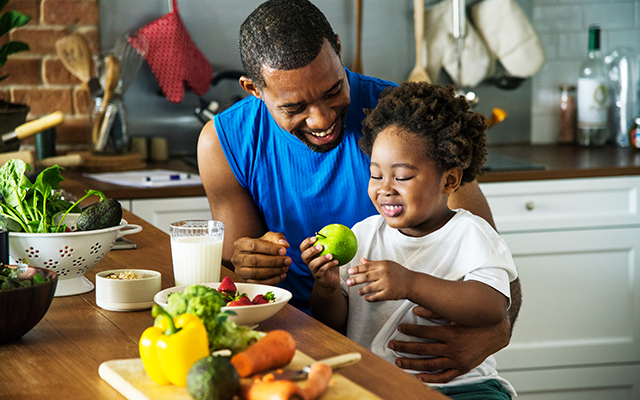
[268, 297]
[228, 288]
[240, 301]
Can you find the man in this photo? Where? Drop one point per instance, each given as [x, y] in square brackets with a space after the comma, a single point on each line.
[285, 161]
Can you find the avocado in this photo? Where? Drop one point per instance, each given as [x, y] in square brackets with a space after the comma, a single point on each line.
[104, 214]
[213, 378]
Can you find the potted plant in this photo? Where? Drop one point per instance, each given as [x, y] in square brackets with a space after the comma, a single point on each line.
[11, 114]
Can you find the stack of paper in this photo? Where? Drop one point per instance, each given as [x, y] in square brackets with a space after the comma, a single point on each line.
[148, 178]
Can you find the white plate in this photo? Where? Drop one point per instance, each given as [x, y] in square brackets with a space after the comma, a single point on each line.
[246, 315]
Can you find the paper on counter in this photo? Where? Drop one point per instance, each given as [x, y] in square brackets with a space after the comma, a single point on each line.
[139, 178]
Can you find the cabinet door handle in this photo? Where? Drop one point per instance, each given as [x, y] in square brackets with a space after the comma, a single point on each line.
[529, 205]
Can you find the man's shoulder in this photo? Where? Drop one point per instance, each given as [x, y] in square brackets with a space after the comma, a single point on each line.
[373, 81]
[241, 107]
[245, 116]
[369, 85]
[365, 93]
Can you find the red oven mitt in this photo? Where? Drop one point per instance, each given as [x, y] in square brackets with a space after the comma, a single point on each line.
[174, 58]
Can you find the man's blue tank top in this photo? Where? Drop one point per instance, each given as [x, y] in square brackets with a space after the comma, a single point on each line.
[297, 190]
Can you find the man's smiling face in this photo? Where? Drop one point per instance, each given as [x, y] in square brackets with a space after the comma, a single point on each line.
[310, 102]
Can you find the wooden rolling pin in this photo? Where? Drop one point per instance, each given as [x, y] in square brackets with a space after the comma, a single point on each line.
[11, 140]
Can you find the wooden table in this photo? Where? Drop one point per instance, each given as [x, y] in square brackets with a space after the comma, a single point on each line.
[59, 358]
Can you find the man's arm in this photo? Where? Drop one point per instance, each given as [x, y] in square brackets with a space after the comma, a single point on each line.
[458, 348]
[229, 202]
[470, 197]
[255, 254]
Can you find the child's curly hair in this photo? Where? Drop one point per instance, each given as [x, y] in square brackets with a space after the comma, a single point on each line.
[454, 135]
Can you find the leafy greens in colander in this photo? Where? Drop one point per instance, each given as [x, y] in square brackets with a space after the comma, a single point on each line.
[34, 206]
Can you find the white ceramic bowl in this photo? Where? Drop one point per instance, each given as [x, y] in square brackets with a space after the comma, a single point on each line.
[127, 294]
[246, 315]
[70, 254]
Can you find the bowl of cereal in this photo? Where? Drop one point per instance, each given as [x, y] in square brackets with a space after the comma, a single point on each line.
[127, 289]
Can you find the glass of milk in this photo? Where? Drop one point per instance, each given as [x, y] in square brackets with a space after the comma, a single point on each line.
[196, 251]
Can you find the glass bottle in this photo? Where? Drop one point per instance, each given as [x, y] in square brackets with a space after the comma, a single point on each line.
[593, 96]
[634, 135]
[4, 241]
[567, 133]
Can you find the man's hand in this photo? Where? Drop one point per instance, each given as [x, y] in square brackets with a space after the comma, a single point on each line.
[457, 350]
[262, 260]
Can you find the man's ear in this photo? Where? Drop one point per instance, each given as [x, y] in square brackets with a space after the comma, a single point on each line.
[452, 180]
[249, 87]
[339, 46]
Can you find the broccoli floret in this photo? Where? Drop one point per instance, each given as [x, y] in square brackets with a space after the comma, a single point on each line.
[206, 302]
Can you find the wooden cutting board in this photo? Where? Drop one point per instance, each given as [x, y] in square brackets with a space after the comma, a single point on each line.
[129, 378]
[111, 162]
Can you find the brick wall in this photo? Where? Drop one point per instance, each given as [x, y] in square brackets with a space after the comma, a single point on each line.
[38, 78]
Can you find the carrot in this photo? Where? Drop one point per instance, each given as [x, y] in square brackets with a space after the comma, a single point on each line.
[268, 389]
[274, 390]
[319, 376]
[275, 350]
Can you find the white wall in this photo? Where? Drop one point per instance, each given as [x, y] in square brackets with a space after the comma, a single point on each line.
[388, 53]
[563, 27]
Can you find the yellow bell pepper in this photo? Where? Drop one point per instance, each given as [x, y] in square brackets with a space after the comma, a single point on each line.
[169, 349]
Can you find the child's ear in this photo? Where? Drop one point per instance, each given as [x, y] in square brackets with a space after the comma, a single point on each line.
[452, 180]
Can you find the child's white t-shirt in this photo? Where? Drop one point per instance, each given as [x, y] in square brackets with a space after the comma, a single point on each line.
[465, 248]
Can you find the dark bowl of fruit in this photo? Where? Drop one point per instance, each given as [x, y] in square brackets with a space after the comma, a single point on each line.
[25, 297]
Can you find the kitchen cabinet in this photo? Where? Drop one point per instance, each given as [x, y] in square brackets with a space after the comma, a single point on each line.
[162, 212]
[576, 244]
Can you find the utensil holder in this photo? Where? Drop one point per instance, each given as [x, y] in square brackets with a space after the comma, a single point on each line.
[114, 124]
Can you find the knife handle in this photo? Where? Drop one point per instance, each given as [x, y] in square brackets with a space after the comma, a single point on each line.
[341, 360]
[38, 125]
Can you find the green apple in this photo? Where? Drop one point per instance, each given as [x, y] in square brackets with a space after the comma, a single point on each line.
[338, 240]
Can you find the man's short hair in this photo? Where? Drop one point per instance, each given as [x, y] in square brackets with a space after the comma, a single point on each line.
[284, 35]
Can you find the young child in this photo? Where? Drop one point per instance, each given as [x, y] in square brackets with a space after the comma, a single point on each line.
[424, 143]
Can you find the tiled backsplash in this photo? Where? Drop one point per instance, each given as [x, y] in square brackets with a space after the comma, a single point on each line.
[563, 28]
[37, 77]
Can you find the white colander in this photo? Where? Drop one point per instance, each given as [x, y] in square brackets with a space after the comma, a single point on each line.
[70, 254]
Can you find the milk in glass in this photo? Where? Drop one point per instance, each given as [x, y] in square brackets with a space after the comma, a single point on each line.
[196, 260]
[196, 251]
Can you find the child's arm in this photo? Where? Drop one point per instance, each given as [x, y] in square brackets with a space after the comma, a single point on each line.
[327, 302]
[468, 303]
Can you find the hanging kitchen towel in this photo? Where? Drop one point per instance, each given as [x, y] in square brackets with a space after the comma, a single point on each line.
[477, 61]
[510, 36]
[174, 58]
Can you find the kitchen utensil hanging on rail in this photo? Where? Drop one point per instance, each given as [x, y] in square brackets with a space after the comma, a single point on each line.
[419, 72]
[513, 42]
[173, 56]
[460, 33]
[357, 59]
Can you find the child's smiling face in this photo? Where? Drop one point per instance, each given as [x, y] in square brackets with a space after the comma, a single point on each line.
[405, 185]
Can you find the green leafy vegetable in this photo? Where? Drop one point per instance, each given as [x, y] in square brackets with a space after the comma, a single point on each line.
[9, 278]
[206, 302]
[34, 206]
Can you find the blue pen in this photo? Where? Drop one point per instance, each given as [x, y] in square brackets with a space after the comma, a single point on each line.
[166, 178]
